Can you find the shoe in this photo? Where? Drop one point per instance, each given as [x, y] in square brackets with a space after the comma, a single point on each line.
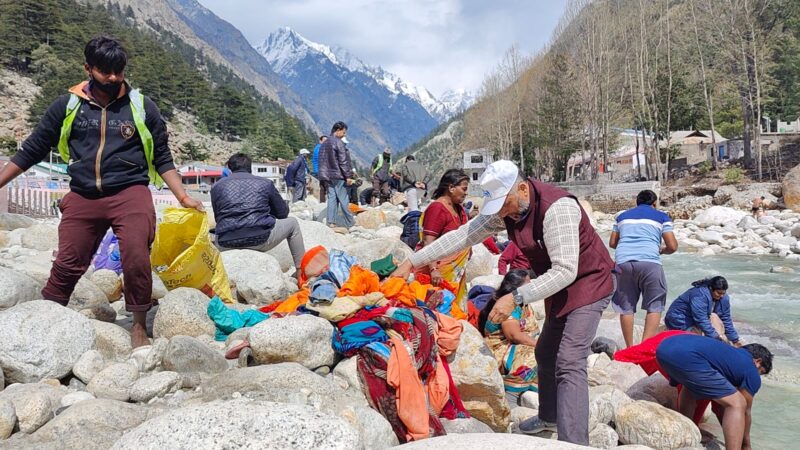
[535, 425]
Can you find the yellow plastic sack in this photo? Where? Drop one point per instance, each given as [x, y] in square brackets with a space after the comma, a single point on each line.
[184, 256]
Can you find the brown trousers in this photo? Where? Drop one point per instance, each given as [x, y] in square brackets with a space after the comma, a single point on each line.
[84, 222]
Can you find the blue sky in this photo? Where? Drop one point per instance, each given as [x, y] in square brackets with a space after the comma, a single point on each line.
[439, 44]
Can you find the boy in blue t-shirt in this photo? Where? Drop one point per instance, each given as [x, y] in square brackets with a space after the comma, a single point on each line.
[710, 369]
[637, 237]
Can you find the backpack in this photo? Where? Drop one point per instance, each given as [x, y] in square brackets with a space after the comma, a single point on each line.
[410, 223]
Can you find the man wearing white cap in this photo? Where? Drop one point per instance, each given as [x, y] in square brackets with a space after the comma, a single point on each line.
[574, 277]
[296, 174]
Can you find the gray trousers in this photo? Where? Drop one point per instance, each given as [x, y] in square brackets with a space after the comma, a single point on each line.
[561, 354]
[284, 230]
[298, 191]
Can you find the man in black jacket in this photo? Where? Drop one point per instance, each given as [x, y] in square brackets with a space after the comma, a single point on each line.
[335, 170]
[115, 142]
[251, 214]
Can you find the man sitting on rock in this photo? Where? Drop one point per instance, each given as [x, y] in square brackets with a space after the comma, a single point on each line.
[710, 369]
[251, 214]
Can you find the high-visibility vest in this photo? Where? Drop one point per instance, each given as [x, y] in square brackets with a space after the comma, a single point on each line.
[380, 164]
[139, 116]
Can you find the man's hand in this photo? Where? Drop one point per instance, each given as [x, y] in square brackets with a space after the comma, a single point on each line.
[403, 270]
[419, 185]
[502, 309]
[738, 344]
[349, 182]
[189, 202]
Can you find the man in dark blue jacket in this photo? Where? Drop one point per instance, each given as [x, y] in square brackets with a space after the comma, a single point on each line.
[251, 214]
[296, 176]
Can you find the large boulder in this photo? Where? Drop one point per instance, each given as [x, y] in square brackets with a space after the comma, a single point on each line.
[156, 385]
[371, 219]
[650, 424]
[655, 388]
[609, 328]
[620, 374]
[114, 382]
[303, 339]
[791, 189]
[40, 236]
[368, 251]
[243, 424]
[16, 288]
[112, 341]
[462, 426]
[314, 233]
[109, 282]
[183, 311]
[741, 195]
[481, 263]
[478, 381]
[257, 276]
[42, 339]
[604, 401]
[34, 403]
[718, 215]
[603, 436]
[10, 222]
[91, 301]
[186, 354]
[494, 441]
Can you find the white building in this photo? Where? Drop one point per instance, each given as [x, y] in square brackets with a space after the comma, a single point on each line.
[475, 163]
[274, 170]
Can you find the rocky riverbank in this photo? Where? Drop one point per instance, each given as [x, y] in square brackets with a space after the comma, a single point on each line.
[71, 380]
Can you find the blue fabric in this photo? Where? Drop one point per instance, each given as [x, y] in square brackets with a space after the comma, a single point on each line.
[480, 295]
[323, 290]
[229, 320]
[315, 160]
[640, 231]
[357, 335]
[381, 349]
[447, 302]
[401, 315]
[693, 309]
[492, 327]
[707, 367]
[340, 264]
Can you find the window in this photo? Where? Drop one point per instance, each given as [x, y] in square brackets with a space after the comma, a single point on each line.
[476, 159]
[262, 170]
[474, 176]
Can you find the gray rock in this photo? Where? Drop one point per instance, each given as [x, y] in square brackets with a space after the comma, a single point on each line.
[604, 402]
[655, 388]
[156, 354]
[493, 281]
[156, 385]
[615, 373]
[40, 236]
[112, 341]
[75, 397]
[109, 282]
[87, 295]
[481, 263]
[114, 382]
[99, 423]
[8, 418]
[17, 288]
[711, 237]
[781, 269]
[604, 345]
[718, 215]
[371, 219]
[183, 311]
[374, 249]
[375, 431]
[186, 354]
[42, 339]
[520, 413]
[314, 233]
[347, 372]
[89, 365]
[603, 436]
[494, 441]
[463, 426]
[10, 222]
[651, 424]
[529, 399]
[609, 328]
[257, 276]
[34, 403]
[478, 381]
[248, 424]
[303, 339]
[159, 290]
[795, 231]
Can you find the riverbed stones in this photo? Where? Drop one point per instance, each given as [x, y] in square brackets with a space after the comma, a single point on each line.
[16, 287]
[650, 424]
[75, 397]
[371, 219]
[88, 365]
[481, 263]
[11, 222]
[719, 215]
[791, 189]
[183, 311]
[34, 403]
[257, 276]
[303, 339]
[249, 424]
[112, 341]
[603, 436]
[655, 388]
[185, 354]
[109, 282]
[156, 385]
[41, 237]
[498, 441]
[114, 382]
[478, 381]
[8, 418]
[42, 339]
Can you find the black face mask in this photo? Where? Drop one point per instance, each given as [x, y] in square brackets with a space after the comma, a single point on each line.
[110, 89]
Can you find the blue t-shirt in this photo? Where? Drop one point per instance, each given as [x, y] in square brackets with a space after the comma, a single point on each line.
[708, 365]
[640, 231]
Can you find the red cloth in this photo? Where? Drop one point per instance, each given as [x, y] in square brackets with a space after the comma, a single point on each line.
[491, 246]
[512, 256]
[438, 220]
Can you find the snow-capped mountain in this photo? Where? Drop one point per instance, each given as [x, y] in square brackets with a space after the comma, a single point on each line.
[285, 47]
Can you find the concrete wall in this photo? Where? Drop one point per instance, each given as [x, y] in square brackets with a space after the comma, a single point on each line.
[610, 197]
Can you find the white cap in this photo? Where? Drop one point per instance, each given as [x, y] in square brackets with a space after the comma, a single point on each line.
[496, 182]
[304, 151]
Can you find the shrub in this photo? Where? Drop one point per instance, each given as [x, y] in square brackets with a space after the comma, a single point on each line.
[734, 175]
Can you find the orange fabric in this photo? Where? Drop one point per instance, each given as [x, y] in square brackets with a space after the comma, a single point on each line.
[456, 312]
[412, 405]
[314, 263]
[439, 388]
[396, 288]
[361, 282]
[293, 301]
[420, 290]
[448, 334]
[355, 209]
[473, 315]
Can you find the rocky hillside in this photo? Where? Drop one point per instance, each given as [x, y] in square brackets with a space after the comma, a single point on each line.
[442, 149]
[16, 96]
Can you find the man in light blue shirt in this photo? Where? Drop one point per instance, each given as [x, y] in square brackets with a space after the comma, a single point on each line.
[637, 237]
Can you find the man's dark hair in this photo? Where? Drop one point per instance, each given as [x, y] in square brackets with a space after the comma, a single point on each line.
[646, 197]
[338, 126]
[322, 138]
[106, 54]
[758, 351]
[240, 163]
[763, 198]
[410, 158]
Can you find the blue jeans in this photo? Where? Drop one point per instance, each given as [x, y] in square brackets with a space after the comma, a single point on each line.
[339, 205]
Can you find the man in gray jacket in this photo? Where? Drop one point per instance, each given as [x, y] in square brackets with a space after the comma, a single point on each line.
[415, 180]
